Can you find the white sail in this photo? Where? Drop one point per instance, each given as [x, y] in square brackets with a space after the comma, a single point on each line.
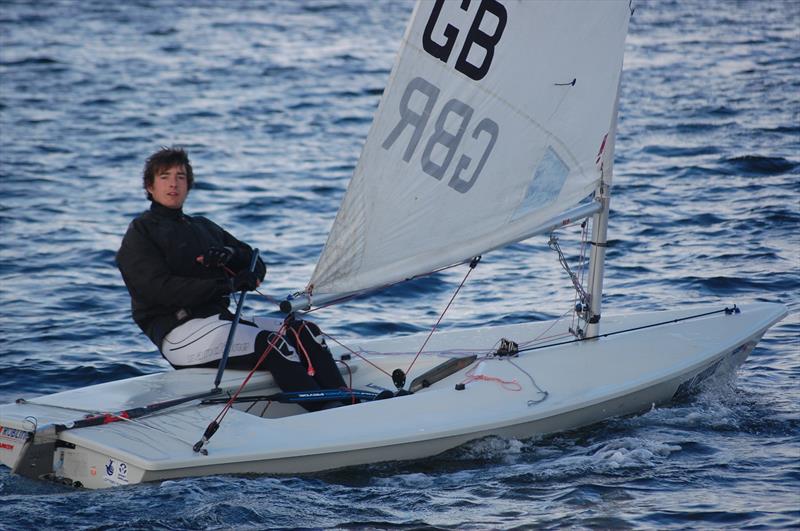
[495, 120]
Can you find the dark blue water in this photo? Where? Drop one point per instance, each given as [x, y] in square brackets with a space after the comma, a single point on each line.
[274, 100]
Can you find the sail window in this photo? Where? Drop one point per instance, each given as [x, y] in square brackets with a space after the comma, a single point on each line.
[544, 188]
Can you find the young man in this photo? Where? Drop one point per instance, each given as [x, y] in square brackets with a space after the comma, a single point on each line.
[180, 271]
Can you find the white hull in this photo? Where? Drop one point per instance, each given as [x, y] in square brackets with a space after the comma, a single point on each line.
[585, 382]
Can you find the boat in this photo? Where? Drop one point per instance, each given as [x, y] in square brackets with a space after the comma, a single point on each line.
[498, 124]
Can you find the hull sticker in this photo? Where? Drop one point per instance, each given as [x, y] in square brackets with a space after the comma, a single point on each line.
[11, 433]
[116, 473]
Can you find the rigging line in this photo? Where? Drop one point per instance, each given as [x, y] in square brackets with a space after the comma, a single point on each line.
[232, 274]
[584, 266]
[310, 370]
[542, 337]
[472, 266]
[653, 325]
[554, 245]
[138, 422]
[444, 353]
[277, 335]
[354, 353]
[581, 273]
[544, 394]
[56, 406]
[349, 373]
[213, 426]
[92, 412]
[250, 407]
[269, 298]
[352, 296]
[584, 247]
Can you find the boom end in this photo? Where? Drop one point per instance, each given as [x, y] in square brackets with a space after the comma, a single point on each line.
[295, 303]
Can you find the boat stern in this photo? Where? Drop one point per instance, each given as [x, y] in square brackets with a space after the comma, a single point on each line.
[14, 442]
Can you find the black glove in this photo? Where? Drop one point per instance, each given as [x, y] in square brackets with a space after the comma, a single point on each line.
[216, 256]
[245, 280]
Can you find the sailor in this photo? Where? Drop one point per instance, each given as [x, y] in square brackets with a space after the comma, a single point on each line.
[180, 271]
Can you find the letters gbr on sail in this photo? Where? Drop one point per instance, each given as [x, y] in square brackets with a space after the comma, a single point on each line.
[454, 110]
[478, 138]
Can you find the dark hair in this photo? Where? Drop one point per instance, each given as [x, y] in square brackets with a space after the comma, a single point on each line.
[163, 159]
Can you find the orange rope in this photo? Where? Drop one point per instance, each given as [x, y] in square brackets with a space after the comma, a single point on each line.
[302, 348]
[510, 385]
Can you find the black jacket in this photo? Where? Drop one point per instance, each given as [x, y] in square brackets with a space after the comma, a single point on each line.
[158, 262]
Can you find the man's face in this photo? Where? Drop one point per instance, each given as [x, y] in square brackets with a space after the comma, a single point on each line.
[170, 187]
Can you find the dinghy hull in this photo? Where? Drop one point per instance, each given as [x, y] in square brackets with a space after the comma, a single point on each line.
[644, 360]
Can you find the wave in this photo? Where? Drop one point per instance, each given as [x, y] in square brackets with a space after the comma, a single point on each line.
[759, 165]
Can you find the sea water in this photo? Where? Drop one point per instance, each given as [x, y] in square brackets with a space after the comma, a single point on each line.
[273, 101]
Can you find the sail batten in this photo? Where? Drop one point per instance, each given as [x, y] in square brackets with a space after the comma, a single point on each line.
[493, 124]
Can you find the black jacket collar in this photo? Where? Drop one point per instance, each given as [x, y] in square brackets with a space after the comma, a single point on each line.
[160, 210]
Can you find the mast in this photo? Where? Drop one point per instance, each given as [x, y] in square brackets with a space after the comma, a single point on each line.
[597, 258]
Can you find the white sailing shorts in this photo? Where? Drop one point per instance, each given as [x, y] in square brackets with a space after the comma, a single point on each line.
[200, 341]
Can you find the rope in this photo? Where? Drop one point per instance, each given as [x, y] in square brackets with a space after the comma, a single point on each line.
[582, 299]
[349, 373]
[643, 327]
[472, 265]
[544, 394]
[353, 352]
[302, 348]
[119, 417]
[541, 337]
[509, 385]
[276, 336]
[213, 426]
[581, 274]
[351, 296]
[154, 428]
[553, 244]
[231, 273]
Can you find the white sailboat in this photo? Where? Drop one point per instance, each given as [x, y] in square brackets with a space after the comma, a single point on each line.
[498, 124]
